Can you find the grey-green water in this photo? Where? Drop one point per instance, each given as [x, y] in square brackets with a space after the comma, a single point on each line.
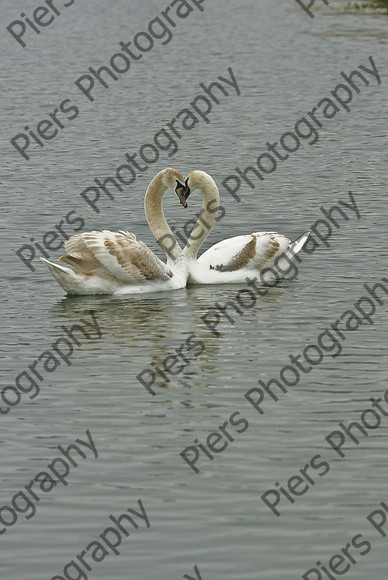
[285, 63]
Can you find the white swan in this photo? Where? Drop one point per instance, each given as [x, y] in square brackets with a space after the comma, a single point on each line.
[264, 254]
[118, 262]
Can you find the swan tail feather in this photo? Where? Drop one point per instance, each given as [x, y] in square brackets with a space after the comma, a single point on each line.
[78, 283]
[55, 269]
[65, 277]
[298, 244]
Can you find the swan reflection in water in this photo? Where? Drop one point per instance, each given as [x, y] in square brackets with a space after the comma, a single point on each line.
[141, 333]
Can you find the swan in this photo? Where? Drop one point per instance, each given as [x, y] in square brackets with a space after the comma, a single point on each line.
[118, 262]
[264, 254]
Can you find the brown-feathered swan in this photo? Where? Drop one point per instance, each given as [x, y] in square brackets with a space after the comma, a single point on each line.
[119, 263]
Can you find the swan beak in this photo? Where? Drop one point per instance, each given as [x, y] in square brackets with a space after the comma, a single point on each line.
[182, 191]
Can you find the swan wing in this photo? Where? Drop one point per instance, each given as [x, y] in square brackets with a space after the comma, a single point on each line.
[120, 254]
[251, 251]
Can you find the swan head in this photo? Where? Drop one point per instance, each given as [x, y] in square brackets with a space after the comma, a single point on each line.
[195, 180]
[169, 177]
[198, 179]
[183, 191]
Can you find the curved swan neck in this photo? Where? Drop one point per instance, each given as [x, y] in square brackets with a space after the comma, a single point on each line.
[208, 215]
[155, 216]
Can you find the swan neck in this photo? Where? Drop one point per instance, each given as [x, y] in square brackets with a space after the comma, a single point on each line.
[206, 220]
[157, 221]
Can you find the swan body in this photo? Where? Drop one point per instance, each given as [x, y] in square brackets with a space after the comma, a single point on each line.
[118, 262]
[234, 259]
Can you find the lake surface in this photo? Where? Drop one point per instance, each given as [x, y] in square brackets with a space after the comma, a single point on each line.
[284, 63]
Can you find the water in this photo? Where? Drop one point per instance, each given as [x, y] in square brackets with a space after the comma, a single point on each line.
[285, 63]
